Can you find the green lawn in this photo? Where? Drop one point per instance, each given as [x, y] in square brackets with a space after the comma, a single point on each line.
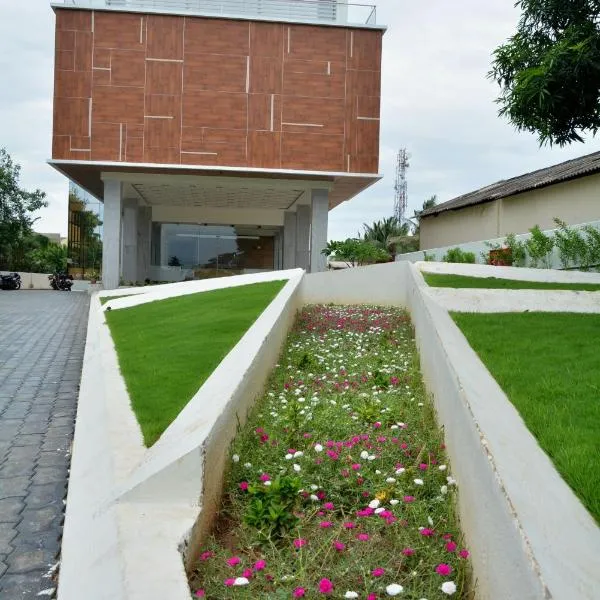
[548, 364]
[168, 348]
[463, 281]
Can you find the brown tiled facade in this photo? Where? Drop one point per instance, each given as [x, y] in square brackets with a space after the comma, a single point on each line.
[197, 91]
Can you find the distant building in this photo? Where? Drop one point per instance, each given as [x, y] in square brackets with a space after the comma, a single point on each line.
[217, 135]
[569, 191]
[55, 238]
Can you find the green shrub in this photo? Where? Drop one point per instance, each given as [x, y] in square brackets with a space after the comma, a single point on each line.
[456, 255]
[571, 245]
[592, 245]
[538, 247]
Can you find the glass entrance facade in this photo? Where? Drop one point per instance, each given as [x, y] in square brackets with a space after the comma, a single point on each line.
[210, 249]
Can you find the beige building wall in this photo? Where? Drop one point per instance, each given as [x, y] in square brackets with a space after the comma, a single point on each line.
[576, 201]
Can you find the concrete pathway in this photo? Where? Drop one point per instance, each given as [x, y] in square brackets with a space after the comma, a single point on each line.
[42, 338]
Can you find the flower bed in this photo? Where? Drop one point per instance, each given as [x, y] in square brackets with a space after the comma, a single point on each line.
[339, 485]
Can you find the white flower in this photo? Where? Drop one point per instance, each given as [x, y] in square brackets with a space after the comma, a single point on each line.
[374, 503]
[442, 467]
[418, 482]
[350, 595]
[377, 472]
[235, 458]
[314, 487]
[394, 589]
[444, 490]
[393, 502]
[449, 587]
[314, 498]
[298, 454]
[390, 480]
[379, 510]
[400, 471]
[297, 468]
[301, 399]
[267, 483]
[241, 581]
[420, 404]
[318, 448]
[451, 480]
[394, 427]
[289, 456]
[430, 521]
[372, 457]
[364, 455]
[248, 465]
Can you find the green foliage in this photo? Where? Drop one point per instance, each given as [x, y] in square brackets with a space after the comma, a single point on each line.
[85, 247]
[549, 71]
[16, 219]
[571, 245]
[382, 233]
[355, 252]
[50, 259]
[538, 247]
[271, 508]
[517, 250]
[593, 245]
[428, 257]
[457, 255]
[307, 362]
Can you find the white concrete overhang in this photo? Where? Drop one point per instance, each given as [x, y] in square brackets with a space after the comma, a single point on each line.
[222, 187]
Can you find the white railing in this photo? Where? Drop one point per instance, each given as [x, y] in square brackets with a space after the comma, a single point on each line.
[326, 11]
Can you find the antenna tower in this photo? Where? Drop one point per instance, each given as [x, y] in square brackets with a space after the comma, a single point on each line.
[401, 196]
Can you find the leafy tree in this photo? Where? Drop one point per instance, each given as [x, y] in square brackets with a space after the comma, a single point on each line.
[355, 252]
[382, 233]
[416, 218]
[85, 249]
[549, 71]
[16, 219]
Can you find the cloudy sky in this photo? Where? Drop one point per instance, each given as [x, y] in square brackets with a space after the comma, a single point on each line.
[436, 102]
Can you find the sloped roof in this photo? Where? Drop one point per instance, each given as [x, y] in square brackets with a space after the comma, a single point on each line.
[571, 169]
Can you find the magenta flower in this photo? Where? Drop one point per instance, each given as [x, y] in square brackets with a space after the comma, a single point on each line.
[206, 555]
[234, 560]
[376, 425]
[423, 467]
[372, 596]
[443, 569]
[244, 486]
[349, 525]
[356, 467]
[325, 524]
[328, 506]
[247, 573]
[259, 565]
[339, 545]
[363, 537]
[451, 547]
[229, 582]
[298, 592]
[408, 499]
[378, 572]
[325, 586]
[200, 594]
[426, 532]
[408, 551]
[265, 477]
[299, 542]
[464, 553]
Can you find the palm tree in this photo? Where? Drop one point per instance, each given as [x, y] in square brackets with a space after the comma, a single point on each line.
[416, 218]
[382, 233]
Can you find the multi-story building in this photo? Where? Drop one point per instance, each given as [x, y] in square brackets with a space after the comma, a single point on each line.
[217, 133]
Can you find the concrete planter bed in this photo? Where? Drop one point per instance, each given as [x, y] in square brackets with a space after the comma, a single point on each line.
[132, 512]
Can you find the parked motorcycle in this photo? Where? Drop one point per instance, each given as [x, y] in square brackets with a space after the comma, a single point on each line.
[61, 282]
[12, 281]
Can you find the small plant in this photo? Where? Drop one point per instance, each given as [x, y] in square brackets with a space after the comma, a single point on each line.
[428, 257]
[592, 245]
[457, 255]
[571, 245]
[517, 250]
[271, 508]
[307, 362]
[538, 247]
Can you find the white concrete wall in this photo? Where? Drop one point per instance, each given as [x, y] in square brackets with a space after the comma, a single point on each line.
[480, 246]
[576, 201]
[32, 281]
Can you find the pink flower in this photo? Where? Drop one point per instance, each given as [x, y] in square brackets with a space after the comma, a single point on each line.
[365, 512]
[363, 537]
[451, 547]
[259, 565]
[325, 586]
[464, 553]
[200, 593]
[206, 555]
[325, 524]
[443, 569]
[356, 467]
[328, 506]
[244, 486]
[234, 560]
[378, 572]
[423, 467]
[426, 532]
[332, 454]
[349, 525]
[298, 592]
[409, 499]
[345, 472]
[229, 582]
[247, 573]
[339, 545]
[372, 596]
[408, 551]
[265, 477]
[376, 425]
[299, 542]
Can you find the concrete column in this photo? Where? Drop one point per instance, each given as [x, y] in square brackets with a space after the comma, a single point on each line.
[289, 240]
[144, 224]
[111, 240]
[303, 237]
[318, 229]
[130, 240]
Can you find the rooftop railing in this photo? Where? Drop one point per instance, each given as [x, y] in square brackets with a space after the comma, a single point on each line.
[325, 11]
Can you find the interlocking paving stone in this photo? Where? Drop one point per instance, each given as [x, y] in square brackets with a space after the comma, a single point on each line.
[41, 352]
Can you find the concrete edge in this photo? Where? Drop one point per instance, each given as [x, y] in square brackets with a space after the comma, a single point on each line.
[510, 493]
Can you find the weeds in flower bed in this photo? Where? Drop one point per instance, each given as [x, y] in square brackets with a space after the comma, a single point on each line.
[339, 484]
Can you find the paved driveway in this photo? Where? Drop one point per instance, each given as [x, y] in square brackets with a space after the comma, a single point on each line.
[42, 338]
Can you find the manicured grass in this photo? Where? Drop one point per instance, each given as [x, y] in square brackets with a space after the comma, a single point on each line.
[463, 281]
[548, 364]
[168, 348]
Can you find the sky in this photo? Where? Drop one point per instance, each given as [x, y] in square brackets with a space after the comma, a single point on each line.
[436, 102]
